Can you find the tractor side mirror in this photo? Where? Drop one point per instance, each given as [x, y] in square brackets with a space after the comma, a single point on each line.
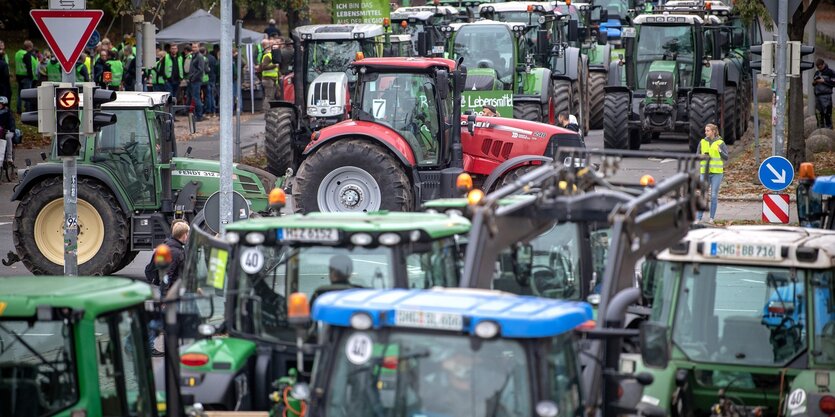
[422, 49]
[655, 346]
[471, 124]
[602, 36]
[460, 77]
[442, 84]
[542, 41]
[738, 38]
[573, 31]
[604, 14]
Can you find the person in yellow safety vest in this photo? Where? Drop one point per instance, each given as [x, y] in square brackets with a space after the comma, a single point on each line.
[172, 67]
[713, 169]
[53, 70]
[269, 72]
[155, 74]
[116, 69]
[81, 73]
[26, 68]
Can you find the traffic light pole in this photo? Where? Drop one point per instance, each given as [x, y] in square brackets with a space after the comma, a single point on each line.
[780, 59]
[70, 204]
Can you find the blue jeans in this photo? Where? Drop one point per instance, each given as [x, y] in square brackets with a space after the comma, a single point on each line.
[210, 98]
[194, 88]
[154, 327]
[172, 88]
[714, 181]
[23, 83]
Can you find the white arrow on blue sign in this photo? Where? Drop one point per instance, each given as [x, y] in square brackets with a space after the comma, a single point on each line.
[776, 173]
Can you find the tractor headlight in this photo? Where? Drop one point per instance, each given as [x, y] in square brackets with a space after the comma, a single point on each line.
[669, 94]
[650, 93]
[336, 109]
[311, 110]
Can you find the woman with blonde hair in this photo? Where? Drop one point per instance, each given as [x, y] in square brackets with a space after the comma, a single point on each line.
[713, 169]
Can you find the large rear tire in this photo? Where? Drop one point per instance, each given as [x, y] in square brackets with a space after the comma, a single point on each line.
[103, 233]
[129, 257]
[576, 102]
[702, 110]
[615, 121]
[597, 80]
[729, 118]
[528, 110]
[561, 95]
[278, 140]
[352, 175]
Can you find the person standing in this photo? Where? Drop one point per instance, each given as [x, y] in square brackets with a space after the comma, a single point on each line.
[565, 121]
[5, 76]
[197, 69]
[272, 31]
[713, 169]
[177, 244]
[129, 80]
[81, 73]
[823, 81]
[209, 80]
[53, 70]
[26, 66]
[269, 73]
[173, 70]
[99, 68]
[116, 69]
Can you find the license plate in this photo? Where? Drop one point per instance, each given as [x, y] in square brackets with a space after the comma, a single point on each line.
[743, 251]
[308, 235]
[437, 49]
[428, 320]
[627, 32]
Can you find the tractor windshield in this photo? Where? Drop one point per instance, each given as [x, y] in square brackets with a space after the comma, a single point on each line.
[334, 56]
[665, 43]
[204, 274]
[617, 8]
[734, 314]
[406, 103]
[270, 273]
[487, 46]
[823, 310]
[37, 374]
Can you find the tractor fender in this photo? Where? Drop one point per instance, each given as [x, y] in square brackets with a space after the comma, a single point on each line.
[508, 165]
[703, 90]
[542, 84]
[607, 55]
[43, 171]
[732, 74]
[570, 61]
[614, 75]
[374, 132]
[717, 76]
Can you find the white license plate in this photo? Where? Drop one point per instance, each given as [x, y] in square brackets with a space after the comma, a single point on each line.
[437, 49]
[308, 235]
[627, 32]
[743, 251]
[428, 320]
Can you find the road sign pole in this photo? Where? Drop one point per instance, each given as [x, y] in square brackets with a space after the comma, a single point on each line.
[780, 70]
[756, 102]
[137, 58]
[226, 137]
[70, 204]
[237, 87]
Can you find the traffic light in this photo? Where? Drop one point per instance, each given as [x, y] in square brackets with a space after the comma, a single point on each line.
[67, 121]
[94, 118]
[796, 53]
[43, 100]
[766, 50]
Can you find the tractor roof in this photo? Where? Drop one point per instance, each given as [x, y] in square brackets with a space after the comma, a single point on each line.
[766, 245]
[422, 12]
[95, 295]
[454, 310]
[710, 6]
[517, 6]
[675, 19]
[389, 63]
[484, 22]
[339, 32]
[414, 15]
[824, 185]
[135, 99]
[433, 225]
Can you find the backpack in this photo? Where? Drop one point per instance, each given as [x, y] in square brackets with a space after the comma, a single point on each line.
[151, 274]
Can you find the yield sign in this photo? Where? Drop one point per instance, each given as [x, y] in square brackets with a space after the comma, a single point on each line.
[66, 32]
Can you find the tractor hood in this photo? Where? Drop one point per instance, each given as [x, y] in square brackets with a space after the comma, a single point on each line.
[253, 183]
[326, 96]
[662, 80]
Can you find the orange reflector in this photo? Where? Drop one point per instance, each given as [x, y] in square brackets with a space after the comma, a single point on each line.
[530, 8]
[386, 22]
[586, 325]
[277, 198]
[464, 182]
[162, 255]
[708, 6]
[647, 181]
[297, 306]
[403, 24]
[194, 359]
[806, 171]
[390, 362]
[436, 2]
[474, 196]
[359, 56]
[568, 2]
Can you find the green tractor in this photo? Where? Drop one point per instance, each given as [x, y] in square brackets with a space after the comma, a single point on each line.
[261, 262]
[681, 73]
[423, 24]
[752, 319]
[561, 51]
[131, 186]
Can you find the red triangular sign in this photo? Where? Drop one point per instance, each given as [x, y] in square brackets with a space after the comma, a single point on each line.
[66, 32]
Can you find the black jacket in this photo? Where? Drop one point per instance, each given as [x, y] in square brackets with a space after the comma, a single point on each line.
[197, 68]
[5, 83]
[828, 77]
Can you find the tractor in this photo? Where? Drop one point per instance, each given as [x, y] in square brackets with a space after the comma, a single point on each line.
[568, 67]
[752, 319]
[322, 54]
[815, 198]
[681, 73]
[423, 22]
[131, 185]
[260, 262]
[404, 143]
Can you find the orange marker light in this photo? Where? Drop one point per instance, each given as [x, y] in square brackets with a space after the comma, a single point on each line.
[162, 255]
[436, 2]
[297, 306]
[403, 24]
[277, 198]
[568, 2]
[586, 325]
[647, 181]
[386, 22]
[464, 182]
[194, 359]
[708, 6]
[530, 8]
[806, 171]
[359, 56]
[474, 197]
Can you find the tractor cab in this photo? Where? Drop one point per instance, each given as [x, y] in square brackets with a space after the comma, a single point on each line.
[752, 319]
[450, 352]
[423, 22]
[261, 262]
[815, 198]
[467, 10]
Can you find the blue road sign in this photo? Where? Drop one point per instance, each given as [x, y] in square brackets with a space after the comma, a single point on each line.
[776, 173]
[95, 38]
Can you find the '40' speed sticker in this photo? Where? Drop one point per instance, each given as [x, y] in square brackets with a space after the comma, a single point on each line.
[797, 401]
[358, 348]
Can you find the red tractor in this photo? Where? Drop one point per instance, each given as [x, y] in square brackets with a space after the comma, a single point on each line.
[404, 144]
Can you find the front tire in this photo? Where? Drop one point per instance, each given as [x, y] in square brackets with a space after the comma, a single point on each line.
[561, 95]
[278, 140]
[352, 175]
[616, 121]
[729, 119]
[597, 80]
[702, 110]
[528, 110]
[103, 234]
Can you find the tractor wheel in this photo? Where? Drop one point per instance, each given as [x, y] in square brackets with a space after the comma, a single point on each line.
[129, 257]
[702, 111]
[278, 140]
[597, 80]
[514, 175]
[576, 102]
[352, 175]
[729, 118]
[615, 118]
[528, 110]
[561, 95]
[103, 233]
